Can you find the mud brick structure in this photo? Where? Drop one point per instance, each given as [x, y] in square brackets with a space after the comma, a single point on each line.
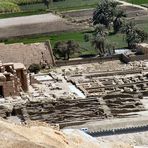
[104, 83]
[38, 53]
[13, 79]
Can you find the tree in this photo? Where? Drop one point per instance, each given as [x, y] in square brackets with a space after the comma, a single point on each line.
[99, 44]
[133, 34]
[108, 13]
[105, 12]
[118, 21]
[98, 39]
[65, 49]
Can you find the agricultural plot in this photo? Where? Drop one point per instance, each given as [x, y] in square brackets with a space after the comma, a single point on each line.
[6, 6]
[63, 5]
[31, 7]
[85, 47]
[13, 5]
[145, 5]
[139, 2]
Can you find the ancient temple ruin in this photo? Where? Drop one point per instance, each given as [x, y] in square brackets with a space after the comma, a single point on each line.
[13, 79]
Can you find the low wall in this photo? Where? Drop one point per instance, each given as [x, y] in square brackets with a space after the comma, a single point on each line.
[38, 53]
[124, 58]
[139, 57]
[85, 60]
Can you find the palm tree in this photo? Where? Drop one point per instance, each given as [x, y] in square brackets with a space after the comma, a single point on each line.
[101, 30]
[128, 27]
[99, 44]
[118, 21]
[99, 38]
[105, 12]
[134, 35]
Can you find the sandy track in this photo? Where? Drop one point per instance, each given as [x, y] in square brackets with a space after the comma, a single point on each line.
[26, 20]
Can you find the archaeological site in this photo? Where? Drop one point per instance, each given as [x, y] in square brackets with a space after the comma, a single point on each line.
[74, 74]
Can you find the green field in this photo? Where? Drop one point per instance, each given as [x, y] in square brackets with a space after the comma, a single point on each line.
[40, 8]
[86, 47]
[63, 5]
[139, 2]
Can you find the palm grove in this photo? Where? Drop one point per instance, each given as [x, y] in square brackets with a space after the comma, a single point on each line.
[107, 19]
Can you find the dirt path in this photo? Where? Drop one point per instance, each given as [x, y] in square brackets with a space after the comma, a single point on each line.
[33, 19]
[35, 24]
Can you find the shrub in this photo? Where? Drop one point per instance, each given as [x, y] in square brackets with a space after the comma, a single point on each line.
[34, 68]
[6, 6]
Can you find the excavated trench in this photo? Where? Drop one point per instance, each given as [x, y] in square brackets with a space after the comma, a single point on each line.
[77, 111]
[122, 104]
[65, 111]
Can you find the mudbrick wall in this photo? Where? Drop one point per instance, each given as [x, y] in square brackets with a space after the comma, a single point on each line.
[39, 53]
[85, 60]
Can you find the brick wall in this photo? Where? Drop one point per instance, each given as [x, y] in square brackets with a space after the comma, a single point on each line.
[26, 53]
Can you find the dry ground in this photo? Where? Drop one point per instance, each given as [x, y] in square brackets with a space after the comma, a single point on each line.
[43, 136]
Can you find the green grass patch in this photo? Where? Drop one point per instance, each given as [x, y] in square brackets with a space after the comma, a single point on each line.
[18, 14]
[118, 40]
[145, 5]
[40, 8]
[139, 2]
[85, 47]
[143, 26]
[6, 6]
[63, 5]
